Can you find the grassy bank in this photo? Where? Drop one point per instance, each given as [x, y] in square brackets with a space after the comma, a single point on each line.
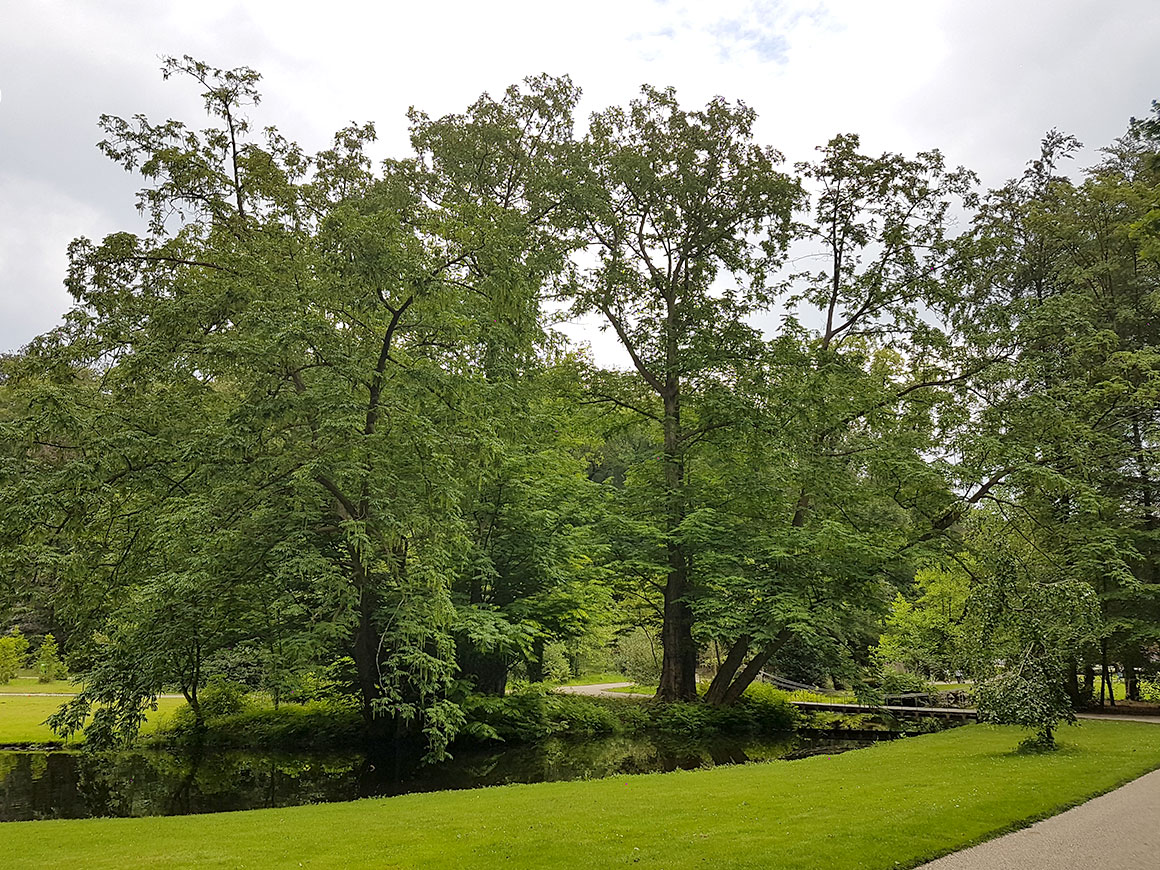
[22, 717]
[890, 806]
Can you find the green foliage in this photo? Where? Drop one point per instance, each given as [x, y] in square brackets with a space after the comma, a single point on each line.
[13, 654]
[638, 656]
[1024, 625]
[894, 682]
[557, 668]
[49, 666]
[237, 722]
[533, 715]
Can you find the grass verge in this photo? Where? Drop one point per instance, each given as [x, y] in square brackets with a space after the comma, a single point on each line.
[893, 805]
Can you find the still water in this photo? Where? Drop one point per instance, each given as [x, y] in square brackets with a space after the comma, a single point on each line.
[70, 785]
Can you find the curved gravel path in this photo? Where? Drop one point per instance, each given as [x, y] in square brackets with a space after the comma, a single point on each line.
[601, 690]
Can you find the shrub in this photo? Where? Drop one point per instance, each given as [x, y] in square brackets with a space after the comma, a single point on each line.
[895, 683]
[1150, 691]
[535, 714]
[222, 698]
[313, 725]
[13, 653]
[49, 667]
[557, 668]
[637, 657]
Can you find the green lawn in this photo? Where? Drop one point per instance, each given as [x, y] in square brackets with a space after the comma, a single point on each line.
[596, 679]
[893, 805]
[636, 690]
[22, 717]
[20, 685]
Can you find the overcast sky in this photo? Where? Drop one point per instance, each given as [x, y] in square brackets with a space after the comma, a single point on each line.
[980, 79]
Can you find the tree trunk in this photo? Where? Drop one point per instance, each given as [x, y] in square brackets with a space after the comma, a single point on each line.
[724, 676]
[1131, 683]
[366, 654]
[536, 661]
[749, 673]
[679, 660]
[1105, 675]
[729, 685]
[1071, 684]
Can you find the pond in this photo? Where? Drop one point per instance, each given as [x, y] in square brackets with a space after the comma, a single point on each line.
[44, 785]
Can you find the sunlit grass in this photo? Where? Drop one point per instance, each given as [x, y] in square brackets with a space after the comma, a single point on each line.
[22, 717]
[23, 685]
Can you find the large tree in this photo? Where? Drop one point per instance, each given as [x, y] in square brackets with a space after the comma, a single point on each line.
[677, 205]
[262, 420]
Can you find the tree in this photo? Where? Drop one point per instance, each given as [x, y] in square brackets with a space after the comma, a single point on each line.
[1023, 620]
[13, 655]
[263, 417]
[670, 201]
[849, 416]
[1066, 425]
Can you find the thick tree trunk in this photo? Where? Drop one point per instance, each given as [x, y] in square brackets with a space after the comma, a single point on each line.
[749, 673]
[366, 657]
[679, 661]
[729, 685]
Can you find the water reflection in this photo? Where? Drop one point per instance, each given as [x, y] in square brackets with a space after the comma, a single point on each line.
[39, 785]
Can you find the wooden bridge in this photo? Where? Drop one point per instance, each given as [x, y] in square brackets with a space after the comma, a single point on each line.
[897, 711]
[907, 705]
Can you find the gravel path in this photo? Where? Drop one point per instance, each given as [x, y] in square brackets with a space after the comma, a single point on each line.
[1120, 830]
[600, 690]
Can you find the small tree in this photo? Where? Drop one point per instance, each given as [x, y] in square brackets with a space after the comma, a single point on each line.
[1024, 625]
[49, 666]
[13, 652]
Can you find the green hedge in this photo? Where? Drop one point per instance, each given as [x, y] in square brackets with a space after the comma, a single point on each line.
[313, 725]
[533, 715]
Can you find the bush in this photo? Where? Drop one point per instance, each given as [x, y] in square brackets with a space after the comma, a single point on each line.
[557, 668]
[1150, 691]
[637, 657]
[535, 714]
[13, 653]
[49, 667]
[313, 725]
[222, 698]
[895, 683]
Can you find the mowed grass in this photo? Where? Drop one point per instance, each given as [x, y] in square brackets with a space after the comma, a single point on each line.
[636, 690]
[893, 805]
[22, 717]
[596, 679]
[21, 685]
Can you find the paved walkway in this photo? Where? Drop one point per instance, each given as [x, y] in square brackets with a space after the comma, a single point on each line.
[1119, 830]
[601, 690]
